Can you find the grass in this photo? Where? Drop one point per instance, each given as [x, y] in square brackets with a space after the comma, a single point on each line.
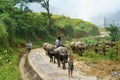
[10, 70]
[91, 56]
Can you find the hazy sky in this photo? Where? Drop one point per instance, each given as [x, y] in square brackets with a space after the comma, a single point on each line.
[82, 9]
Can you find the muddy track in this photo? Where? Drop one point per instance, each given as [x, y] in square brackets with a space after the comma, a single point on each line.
[41, 69]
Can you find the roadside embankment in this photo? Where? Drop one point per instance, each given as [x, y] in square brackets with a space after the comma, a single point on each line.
[28, 71]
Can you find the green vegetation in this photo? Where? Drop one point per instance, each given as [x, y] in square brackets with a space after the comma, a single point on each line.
[74, 27]
[45, 5]
[114, 32]
[9, 67]
[9, 64]
[93, 57]
[17, 25]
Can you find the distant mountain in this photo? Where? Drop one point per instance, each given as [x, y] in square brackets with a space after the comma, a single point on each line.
[109, 19]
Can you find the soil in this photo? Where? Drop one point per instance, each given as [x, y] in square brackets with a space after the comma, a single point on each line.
[105, 70]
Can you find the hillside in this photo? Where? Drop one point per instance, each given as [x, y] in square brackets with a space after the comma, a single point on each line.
[78, 27]
[18, 26]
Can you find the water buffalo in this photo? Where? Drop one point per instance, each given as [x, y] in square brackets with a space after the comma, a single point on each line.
[72, 46]
[78, 47]
[49, 48]
[61, 55]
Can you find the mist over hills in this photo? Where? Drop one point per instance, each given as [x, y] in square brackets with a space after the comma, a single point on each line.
[111, 18]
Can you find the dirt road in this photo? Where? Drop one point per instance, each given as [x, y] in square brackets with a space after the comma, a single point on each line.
[40, 61]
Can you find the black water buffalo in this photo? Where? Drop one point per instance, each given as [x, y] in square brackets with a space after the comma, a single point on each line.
[61, 55]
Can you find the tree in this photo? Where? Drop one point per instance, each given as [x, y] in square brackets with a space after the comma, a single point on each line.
[68, 30]
[45, 5]
[10, 28]
[114, 32]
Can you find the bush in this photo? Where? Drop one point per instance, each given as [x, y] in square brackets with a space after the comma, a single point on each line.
[111, 54]
[90, 54]
[3, 35]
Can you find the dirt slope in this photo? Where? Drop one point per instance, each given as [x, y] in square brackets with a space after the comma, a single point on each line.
[104, 70]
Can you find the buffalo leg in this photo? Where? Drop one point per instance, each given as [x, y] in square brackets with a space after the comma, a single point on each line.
[58, 61]
[54, 59]
[63, 65]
